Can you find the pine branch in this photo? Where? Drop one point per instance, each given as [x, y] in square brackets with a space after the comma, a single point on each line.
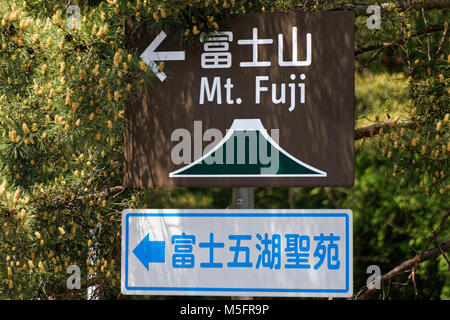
[418, 34]
[366, 293]
[361, 10]
[370, 131]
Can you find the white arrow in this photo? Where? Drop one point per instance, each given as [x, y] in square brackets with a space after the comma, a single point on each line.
[150, 56]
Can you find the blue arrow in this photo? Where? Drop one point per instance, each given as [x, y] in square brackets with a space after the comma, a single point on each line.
[150, 251]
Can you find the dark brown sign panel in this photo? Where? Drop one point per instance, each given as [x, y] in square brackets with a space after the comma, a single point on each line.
[268, 101]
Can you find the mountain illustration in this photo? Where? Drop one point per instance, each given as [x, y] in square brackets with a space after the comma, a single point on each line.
[247, 150]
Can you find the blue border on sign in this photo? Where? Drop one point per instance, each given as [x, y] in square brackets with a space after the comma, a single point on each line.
[309, 215]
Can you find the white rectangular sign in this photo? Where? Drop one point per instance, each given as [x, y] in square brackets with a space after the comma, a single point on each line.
[305, 253]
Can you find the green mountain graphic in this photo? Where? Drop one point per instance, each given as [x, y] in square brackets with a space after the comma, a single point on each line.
[247, 151]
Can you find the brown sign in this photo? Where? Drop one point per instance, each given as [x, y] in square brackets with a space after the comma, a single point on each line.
[268, 101]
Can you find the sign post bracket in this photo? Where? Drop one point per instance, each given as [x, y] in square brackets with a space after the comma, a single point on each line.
[243, 198]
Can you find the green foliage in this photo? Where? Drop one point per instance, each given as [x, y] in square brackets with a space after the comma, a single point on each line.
[61, 121]
[379, 96]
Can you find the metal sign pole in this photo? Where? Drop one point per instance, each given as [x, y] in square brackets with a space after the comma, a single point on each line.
[243, 198]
